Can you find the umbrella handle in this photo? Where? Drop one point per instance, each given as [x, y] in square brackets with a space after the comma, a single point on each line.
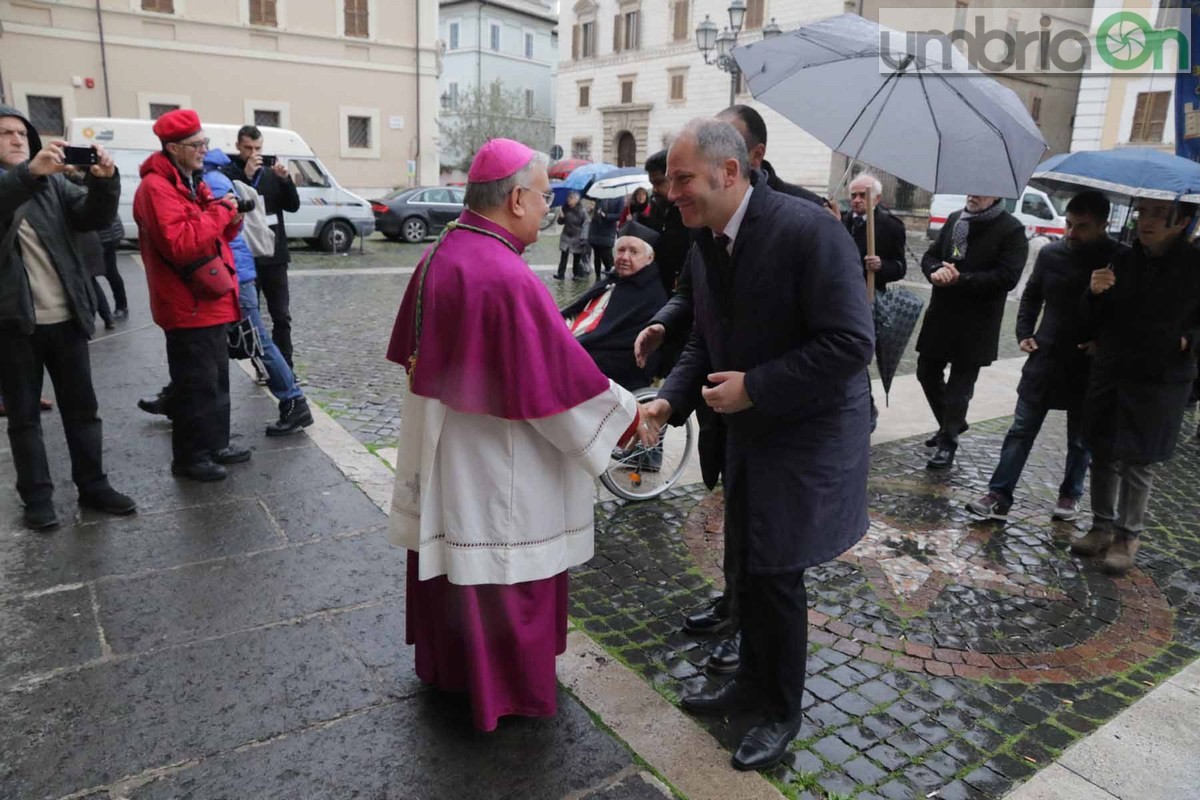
[870, 244]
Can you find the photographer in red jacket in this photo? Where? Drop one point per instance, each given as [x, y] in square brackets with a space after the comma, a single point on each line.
[184, 233]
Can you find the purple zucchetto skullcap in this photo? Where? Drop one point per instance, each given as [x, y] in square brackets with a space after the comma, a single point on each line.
[498, 159]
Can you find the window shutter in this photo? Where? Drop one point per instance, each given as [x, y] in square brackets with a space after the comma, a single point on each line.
[575, 42]
[617, 33]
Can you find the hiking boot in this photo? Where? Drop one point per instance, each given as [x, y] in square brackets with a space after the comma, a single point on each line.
[1121, 552]
[40, 515]
[293, 416]
[1095, 542]
[108, 500]
[1066, 509]
[991, 506]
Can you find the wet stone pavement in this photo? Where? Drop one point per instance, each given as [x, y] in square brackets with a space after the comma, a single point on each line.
[946, 655]
[238, 640]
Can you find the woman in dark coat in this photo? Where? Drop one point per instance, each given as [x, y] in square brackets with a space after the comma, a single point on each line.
[975, 262]
[573, 241]
[638, 208]
[1145, 316]
[602, 234]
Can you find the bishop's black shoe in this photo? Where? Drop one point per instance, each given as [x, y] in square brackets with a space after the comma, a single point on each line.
[726, 656]
[708, 619]
[764, 745]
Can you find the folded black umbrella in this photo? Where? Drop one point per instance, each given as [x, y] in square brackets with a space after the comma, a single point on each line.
[896, 313]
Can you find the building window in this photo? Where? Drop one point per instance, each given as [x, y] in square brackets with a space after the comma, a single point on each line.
[633, 33]
[627, 91]
[754, 14]
[262, 12]
[495, 36]
[678, 81]
[1149, 116]
[1035, 109]
[582, 148]
[357, 24]
[680, 31]
[267, 118]
[583, 40]
[529, 45]
[161, 6]
[452, 96]
[453, 35]
[358, 132]
[585, 95]
[158, 109]
[46, 114]
[529, 107]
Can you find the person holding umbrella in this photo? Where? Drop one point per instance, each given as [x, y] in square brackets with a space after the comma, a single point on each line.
[975, 262]
[1144, 311]
[1055, 375]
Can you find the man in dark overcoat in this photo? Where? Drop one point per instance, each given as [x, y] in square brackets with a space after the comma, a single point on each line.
[779, 348]
[1055, 375]
[975, 262]
[1144, 313]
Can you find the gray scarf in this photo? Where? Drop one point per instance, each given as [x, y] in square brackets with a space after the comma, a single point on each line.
[958, 237]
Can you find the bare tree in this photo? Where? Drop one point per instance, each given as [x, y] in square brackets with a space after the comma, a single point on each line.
[489, 112]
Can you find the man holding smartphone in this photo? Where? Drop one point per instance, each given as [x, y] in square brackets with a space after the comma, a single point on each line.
[47, 312]
[271, 178]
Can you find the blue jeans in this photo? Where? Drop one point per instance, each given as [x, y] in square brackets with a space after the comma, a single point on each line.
[1027, 422]
[280, 379]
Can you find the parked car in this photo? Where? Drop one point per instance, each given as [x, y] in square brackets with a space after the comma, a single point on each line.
[413, 214]
[330, 217]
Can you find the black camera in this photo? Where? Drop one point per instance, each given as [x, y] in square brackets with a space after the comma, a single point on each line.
[269, 161]
[246, 206]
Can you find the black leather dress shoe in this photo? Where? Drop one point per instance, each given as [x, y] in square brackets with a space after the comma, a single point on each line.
[153, 405]
[205, 471]
[725, 656]
[108, 500]
[729, 699]
[231, 455]
[764, 745]
[942, 459]
[708, 619]
[40, 516]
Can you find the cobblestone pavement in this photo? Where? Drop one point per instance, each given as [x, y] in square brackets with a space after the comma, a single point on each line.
[945, 655]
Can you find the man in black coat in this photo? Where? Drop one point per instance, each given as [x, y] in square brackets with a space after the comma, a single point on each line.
[1144, 312]
[975, 262]
[674, 238]
[779, 348]
[279, 192]
[47, 314]
[750, 124]
[608, 317]
[1055, 375]
[889, 262]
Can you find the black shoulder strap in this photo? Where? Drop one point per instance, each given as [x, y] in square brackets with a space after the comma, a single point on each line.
[11, 235]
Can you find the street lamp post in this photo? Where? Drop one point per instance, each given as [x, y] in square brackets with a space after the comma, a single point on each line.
[708, 39]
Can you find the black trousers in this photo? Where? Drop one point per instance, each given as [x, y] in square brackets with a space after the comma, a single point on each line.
[113, 276]
[273, 284]
[773, 611]
[61, 350]
[948, 399]
[576, 265]
[198, 359]
[102, 307]
[602, 256]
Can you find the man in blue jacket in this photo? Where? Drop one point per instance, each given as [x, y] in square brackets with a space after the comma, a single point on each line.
[294, 412]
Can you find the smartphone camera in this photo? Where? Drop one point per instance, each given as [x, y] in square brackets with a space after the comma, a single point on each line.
[80, 156]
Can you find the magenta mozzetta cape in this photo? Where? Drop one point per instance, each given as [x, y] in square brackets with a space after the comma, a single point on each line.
[492, 340]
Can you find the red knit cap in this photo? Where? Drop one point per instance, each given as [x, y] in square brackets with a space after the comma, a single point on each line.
[177, 125]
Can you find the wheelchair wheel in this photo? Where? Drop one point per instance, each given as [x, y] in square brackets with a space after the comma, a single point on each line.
[639, 472]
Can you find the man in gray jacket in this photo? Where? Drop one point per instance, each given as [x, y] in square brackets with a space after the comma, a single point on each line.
[47, 313]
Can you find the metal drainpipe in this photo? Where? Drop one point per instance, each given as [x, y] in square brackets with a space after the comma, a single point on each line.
[418, 172]
[103, 61]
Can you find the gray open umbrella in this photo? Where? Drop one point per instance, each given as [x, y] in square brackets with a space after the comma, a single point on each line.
[946, 130]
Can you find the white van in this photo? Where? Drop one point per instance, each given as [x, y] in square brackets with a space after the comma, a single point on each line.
[329, 216]
[1042, 214]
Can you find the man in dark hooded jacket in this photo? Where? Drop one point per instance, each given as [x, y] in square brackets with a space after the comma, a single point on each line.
[47, 313]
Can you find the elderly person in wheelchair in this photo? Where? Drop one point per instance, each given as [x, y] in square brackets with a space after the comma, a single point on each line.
[607, 318]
